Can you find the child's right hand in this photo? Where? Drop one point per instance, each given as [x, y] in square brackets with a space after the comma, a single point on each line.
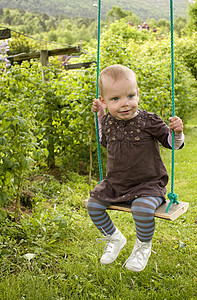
[98, 107]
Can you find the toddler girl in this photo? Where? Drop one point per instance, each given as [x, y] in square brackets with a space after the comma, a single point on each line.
[135, 171]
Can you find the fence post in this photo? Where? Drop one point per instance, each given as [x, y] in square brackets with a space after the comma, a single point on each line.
[44, 58]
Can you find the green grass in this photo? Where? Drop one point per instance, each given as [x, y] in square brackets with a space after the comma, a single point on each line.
[63, 238]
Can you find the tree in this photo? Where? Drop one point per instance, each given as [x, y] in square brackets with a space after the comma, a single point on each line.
[7, 18]
[192, 12]
[180, 24]
[117, 13]
[164, 26]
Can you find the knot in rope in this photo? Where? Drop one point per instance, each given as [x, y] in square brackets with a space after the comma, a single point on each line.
[173, 199]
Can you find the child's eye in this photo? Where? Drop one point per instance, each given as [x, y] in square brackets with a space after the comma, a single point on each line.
[115, 98]
[131, 96]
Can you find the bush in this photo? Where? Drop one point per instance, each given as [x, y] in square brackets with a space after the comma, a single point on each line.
[54, 118]
[187, 52]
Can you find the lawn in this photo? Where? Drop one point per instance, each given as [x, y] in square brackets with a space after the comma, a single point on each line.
[53, 254]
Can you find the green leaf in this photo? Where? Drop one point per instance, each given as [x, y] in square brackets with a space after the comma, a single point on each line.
[3, 141]
[3, 215]
[3, 198]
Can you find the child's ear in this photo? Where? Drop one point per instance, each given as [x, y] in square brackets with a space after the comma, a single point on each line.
[103, 102]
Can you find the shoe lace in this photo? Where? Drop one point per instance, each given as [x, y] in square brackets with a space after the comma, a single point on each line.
[108, 245]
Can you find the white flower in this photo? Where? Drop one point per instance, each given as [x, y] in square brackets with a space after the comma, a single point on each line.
[29, 256]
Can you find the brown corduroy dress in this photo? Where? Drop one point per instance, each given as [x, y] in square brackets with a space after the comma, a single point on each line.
[134, 164]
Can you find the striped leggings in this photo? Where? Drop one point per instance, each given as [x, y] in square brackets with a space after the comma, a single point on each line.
[143, 210]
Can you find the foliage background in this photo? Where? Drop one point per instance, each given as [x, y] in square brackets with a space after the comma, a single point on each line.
[66, 98]
[41, 257]
[84, 8]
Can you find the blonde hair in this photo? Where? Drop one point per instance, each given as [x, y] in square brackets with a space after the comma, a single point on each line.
[115, 72]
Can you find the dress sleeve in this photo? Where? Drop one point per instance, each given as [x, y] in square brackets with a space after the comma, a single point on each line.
[158, 129]
[100, 129]
[178, 140]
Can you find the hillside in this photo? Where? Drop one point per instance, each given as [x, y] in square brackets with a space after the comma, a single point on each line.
[84, 8]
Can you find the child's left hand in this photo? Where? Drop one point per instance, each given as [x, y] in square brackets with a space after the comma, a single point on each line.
[176, 124]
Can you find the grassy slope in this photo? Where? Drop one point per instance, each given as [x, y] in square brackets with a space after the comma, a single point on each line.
[170, 273]
[84, 8]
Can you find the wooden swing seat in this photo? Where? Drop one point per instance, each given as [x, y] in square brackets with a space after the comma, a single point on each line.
[175, 211]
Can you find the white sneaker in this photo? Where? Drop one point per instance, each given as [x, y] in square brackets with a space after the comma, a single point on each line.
[115, 243]
[139, 257]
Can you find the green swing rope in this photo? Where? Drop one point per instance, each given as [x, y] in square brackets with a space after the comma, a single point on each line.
[97, 90]
[172, 196]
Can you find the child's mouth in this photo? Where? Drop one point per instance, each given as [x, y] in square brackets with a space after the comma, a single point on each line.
[125, 112]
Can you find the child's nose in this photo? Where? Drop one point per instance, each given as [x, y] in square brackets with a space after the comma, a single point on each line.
[125, 101]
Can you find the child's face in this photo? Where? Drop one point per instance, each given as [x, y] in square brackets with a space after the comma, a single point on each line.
[121, 97]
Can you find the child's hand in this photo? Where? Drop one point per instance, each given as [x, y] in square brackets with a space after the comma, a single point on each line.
[176, 124]
[98, 107]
